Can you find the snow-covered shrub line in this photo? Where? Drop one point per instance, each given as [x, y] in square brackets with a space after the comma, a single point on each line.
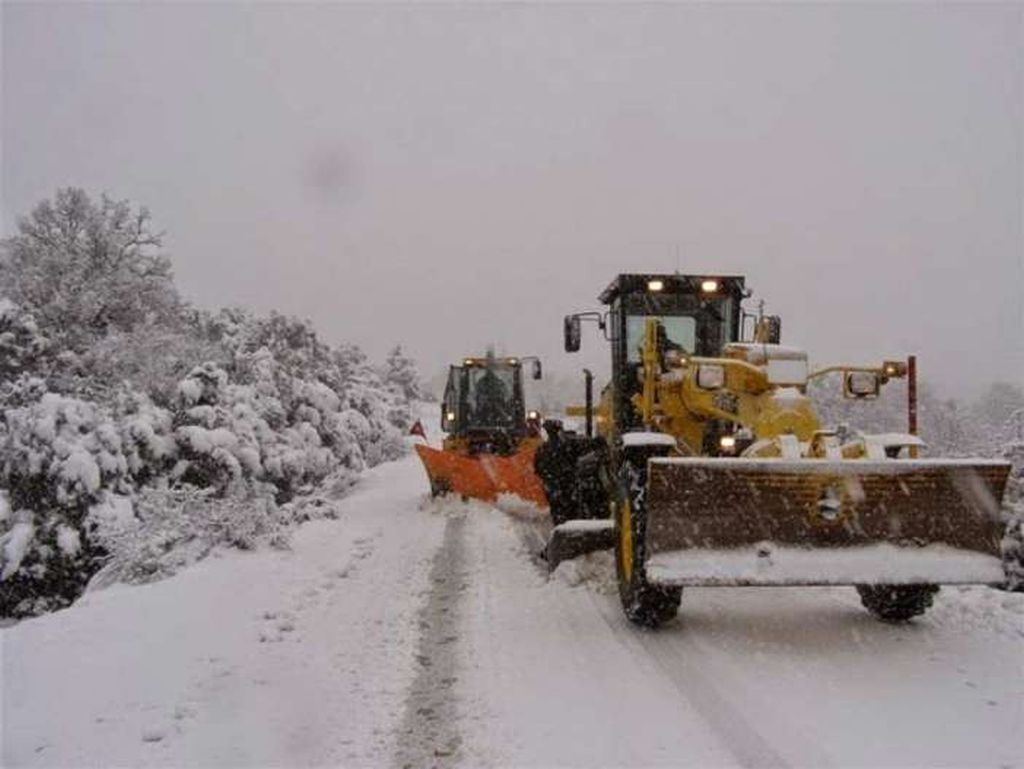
[241, 452]
[137, 432]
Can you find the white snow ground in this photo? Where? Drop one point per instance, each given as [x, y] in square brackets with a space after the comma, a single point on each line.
[414, 633]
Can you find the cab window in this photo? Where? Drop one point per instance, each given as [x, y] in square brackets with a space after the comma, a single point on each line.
[680, 332]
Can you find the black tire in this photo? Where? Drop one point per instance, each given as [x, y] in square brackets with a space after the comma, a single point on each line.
[644, 604]
[897, 603]
[1013, 556]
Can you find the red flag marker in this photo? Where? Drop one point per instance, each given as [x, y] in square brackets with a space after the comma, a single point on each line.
[417, 429]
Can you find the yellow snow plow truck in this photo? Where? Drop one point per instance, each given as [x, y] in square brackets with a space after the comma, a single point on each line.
[709, 466]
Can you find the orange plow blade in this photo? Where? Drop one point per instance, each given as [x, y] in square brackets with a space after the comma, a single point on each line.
[484, 476]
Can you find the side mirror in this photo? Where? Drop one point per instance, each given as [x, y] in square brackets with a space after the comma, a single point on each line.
[861, 384]
[537, 371]
[572, 333]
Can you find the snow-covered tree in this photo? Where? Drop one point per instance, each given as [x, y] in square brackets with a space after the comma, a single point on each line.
[997, 405]
[82, 268]
[400, 370]
[138, 433]
[887, 413]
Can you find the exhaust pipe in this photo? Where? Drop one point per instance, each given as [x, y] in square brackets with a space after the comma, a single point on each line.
[589, 396]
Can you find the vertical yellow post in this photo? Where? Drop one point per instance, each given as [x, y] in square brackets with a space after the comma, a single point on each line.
[649, 358]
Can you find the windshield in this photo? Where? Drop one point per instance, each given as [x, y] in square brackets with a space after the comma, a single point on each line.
[680, 334]
[489, 398]
[699, 325]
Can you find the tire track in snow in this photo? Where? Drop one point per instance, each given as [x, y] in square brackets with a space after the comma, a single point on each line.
[429, 732]
[681, 662]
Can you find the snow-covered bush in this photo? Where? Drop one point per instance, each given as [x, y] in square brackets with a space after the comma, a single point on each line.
[223, 435]
[22, 391]
[147, 436]
[60, 452]
[138, 432]
[286, 362]
[173, 527]
[153, 357]
[59, 458]
[1013, 542]
[217, 446]
[21, 341]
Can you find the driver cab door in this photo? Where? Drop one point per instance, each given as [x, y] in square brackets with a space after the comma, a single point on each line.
[451, 411]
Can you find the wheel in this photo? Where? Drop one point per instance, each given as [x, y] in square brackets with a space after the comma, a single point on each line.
[644, 604]
[1013, 555]
[897, 603]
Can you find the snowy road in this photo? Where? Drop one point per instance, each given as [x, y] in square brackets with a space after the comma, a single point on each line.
[413, 633]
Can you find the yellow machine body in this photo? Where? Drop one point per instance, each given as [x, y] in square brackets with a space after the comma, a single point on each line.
[719, 471]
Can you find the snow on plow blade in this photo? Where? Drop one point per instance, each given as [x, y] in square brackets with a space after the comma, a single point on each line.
[823, 522]
[484, 476]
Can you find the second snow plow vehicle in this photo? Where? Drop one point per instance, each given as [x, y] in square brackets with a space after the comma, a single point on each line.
[710, 466]
[491, 439]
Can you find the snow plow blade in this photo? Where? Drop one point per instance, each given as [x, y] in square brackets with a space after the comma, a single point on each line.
[484, 476]
[824, 522]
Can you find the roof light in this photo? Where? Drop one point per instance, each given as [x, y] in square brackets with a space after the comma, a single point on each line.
[655, 285]
[709, 286]
[513, 361]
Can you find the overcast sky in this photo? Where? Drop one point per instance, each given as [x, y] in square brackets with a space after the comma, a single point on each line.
[453, 176]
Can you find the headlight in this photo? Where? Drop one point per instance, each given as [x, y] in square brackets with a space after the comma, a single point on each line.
[710, 377]
[533, 416]
[727, 442]
[862, 384]
[450, 416]
[674, 358]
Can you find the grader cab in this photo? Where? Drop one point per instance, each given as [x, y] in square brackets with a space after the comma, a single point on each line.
[710, 466]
